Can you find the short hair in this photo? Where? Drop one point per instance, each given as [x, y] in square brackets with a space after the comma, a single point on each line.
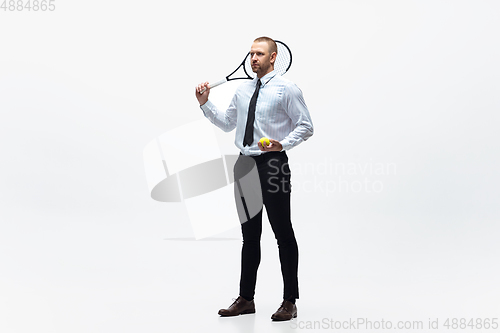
[270, 42]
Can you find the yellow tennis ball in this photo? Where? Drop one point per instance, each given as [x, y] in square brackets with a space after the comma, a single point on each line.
[266, 140]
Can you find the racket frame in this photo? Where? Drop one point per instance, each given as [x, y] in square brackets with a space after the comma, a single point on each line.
[242, 64]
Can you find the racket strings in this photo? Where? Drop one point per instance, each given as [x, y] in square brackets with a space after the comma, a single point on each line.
[248, 66]
[283, 59]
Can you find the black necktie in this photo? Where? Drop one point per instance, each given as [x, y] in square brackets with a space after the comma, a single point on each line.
[248, 139]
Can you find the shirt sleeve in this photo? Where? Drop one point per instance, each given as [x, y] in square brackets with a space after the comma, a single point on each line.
[226, 121]
[296, 108]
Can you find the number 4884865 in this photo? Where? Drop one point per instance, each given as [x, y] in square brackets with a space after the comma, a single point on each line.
[28, 5]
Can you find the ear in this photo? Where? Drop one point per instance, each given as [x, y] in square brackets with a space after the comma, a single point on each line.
[273, 58]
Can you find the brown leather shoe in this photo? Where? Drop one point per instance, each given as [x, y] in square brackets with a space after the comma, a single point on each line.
[287, 311]
[239, 306]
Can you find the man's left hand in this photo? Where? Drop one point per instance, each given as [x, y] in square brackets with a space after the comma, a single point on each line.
[273, 146]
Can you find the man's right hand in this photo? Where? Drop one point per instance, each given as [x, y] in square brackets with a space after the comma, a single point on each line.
[202, 98]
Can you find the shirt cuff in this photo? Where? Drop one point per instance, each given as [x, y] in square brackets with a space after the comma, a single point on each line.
[285, 145]
[208, 106]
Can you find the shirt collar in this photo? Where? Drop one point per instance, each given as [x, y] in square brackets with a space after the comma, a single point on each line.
[265, 79]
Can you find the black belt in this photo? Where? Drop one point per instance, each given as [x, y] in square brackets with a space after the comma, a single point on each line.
[266, 156]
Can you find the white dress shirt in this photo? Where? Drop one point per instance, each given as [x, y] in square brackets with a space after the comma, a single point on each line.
[281, 113]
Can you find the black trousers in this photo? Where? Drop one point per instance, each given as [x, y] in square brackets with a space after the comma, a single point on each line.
[274, 175]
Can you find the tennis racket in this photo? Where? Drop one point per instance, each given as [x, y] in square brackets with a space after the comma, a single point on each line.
[244, 70]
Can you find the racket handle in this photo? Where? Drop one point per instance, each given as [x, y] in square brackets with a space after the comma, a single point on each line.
[213, 85]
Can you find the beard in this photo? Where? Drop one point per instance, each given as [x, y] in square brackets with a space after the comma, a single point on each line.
[261, 68]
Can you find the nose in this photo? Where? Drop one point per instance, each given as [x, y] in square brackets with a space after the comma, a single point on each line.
[254, 56]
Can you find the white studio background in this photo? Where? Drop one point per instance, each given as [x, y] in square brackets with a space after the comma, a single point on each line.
[395, 197]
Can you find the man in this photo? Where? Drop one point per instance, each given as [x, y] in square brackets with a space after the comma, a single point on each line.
[268, 106]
